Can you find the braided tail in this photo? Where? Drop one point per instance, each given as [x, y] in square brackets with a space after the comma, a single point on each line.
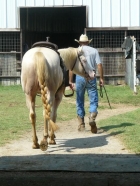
[42, 73]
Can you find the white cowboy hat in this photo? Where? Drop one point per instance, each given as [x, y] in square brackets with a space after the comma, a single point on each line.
[83, 38]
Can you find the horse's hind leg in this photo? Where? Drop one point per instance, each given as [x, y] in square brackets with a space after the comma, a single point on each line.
[30, 101]
[44, 143]
[58, 98]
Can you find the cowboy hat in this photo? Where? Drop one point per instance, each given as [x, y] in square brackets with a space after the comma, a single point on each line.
[83, 38]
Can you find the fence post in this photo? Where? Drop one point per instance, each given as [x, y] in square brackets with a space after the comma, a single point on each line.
[134, 64]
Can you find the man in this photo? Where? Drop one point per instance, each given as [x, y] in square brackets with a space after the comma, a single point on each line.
[82, 85]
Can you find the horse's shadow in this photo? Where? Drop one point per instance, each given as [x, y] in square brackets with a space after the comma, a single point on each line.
[69, 145]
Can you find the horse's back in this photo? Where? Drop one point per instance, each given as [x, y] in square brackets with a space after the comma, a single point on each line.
[47, 52]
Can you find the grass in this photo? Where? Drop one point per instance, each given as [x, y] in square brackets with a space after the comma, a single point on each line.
[126, 127]
[14, 119]
[13, 114]
[120, 95]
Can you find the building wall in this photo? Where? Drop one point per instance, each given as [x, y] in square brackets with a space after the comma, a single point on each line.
[101, 13]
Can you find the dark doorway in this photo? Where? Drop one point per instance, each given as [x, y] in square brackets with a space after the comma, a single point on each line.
[61, 24]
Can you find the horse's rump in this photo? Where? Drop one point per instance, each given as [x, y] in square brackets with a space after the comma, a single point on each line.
[41, 67]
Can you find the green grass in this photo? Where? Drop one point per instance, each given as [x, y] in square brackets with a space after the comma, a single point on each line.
[14, 115]
[120, 95]
[126, 127]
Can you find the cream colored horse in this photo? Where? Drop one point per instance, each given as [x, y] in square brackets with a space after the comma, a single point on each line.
[42, 73]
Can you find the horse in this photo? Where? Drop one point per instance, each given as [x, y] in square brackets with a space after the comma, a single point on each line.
[42, 73]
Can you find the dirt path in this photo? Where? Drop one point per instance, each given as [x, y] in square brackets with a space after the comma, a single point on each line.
[74, 151]
[69, 140]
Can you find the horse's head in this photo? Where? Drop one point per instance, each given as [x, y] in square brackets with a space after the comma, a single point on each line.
[74, 60]
[88, 71]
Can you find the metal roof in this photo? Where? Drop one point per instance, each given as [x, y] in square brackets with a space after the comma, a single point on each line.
[101, 13]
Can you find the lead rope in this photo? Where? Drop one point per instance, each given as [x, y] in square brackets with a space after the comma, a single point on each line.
[101, 94]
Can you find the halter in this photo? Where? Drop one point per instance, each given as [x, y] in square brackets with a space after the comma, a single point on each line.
[81, 65]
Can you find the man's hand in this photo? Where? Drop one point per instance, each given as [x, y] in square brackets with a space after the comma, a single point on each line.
[72, 85]
[101, 82]
[100, 70]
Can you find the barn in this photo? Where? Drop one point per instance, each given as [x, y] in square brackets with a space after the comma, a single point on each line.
[108, 22]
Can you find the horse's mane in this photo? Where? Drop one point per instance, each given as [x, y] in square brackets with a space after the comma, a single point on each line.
[69, 54]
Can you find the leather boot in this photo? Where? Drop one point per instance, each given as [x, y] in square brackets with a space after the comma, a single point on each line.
[81, 126]
[92, 122]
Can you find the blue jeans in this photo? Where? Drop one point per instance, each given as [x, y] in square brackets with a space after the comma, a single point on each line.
[91, 87]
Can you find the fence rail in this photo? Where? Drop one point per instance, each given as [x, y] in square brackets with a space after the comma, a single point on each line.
[10, 58]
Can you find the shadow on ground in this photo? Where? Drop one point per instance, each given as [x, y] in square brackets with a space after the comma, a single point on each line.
[69, 168]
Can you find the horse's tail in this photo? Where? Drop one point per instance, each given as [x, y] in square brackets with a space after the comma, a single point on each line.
[42, 73]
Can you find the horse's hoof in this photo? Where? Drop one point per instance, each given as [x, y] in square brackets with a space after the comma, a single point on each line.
[52, 142]
[35, 146]
[43, 145]
[53, 136]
